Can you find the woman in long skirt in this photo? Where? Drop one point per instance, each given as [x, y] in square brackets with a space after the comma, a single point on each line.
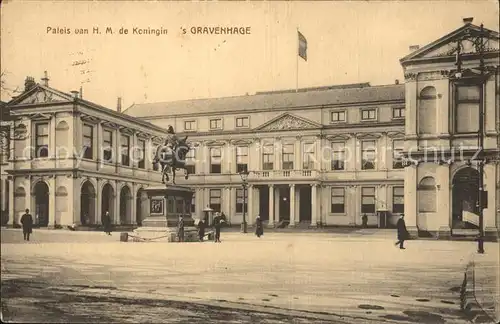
[259, 229]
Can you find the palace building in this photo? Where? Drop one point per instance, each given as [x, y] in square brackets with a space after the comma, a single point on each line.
[317, 156]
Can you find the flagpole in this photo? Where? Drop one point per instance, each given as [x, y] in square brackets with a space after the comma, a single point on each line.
[297, 62]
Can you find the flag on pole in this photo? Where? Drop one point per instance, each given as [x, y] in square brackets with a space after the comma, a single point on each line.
[302, 46]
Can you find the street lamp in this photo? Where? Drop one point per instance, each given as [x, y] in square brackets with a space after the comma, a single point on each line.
[471, 78]
[244, 178]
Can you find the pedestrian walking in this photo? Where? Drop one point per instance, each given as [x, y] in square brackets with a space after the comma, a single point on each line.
[259, 229]
[106, 223]
[180, 229]
[218, 221]
[364, 221]
[402, 232]
[201, 229]
[27, 222]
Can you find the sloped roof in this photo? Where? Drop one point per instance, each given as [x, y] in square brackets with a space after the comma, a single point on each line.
[269, 101]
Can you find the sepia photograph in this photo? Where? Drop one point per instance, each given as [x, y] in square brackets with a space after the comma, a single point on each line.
[250, 161]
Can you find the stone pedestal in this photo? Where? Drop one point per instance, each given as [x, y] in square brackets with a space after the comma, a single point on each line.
[166, 205]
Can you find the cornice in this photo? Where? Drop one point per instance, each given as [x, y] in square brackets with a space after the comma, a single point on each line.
[338, 137]
[374, 135]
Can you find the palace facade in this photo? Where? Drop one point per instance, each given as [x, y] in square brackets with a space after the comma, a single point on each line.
[317, 157]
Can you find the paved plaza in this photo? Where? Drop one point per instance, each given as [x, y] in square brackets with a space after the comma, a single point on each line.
[63, 276]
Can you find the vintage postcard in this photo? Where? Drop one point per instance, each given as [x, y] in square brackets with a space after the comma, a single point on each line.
[250, 161]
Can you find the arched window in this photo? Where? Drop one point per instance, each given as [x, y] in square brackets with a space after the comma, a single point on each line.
[427, 111]
[427, 195]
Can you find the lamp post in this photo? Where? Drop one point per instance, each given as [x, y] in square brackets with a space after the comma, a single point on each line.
[244, 178]
[476, 79]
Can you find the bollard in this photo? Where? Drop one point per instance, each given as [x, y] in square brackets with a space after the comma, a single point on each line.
[124, 237]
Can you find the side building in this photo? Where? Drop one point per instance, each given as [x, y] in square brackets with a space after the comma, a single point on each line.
[77, 161]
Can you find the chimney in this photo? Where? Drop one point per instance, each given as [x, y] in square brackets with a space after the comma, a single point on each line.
[414, 47]
[81, 92]
[397, 81]
[45, 79]
[29, 83]
[75, 94]
[119, 105]
[468, 20]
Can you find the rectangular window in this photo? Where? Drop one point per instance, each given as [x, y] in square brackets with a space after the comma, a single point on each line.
[467, 109]
[368, 114]
[338, 156]
[368, 200]
[193, 204]
[191, 161]
[337, 116]
[242, 122]
[142, 154]
[215, 160]
[241, 158]
[287, 155]
[398, 112]
[397, 154]
[107, 143]
[398, 200]
[268, 157]
[42, 140]
[239, 201]
[125, 149]
[215, 199]
[338, 201]
[189, 125]
[308, 156]
[369, 155]
[215, 123]
[88, 141]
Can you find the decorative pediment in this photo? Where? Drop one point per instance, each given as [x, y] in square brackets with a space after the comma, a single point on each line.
[468, 36]
[395, 134]
[215, 143]
[143, 135]
[338, 137]
[288, 122]
[40, 116]
[126, 130]
[110, 125]
[39, 95]
[367, 136]
[90, 119]
[241, 142]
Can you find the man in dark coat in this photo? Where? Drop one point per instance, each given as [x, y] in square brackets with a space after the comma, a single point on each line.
[27, 222]
[259, 229]
[201, 229]
[180, 229]
[217, 225]
[402, 232]
[106, 223]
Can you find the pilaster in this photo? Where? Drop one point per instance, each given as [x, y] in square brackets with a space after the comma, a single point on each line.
[271, 206]
[118, 149]
[314, 207]
[52, 201]
[52, 137]
[277, 198]
[133, 212]
[292, 205]
[355, 198]
[149, 154]
[99, 141]
[12, 208]
[490, 186]
[297, 153]
[443, 199]
[133, 153]
[250, 205]
[410, 191]
[206, 159]
[317, 151]
[278, 151]
[98, 215]
[116, 211]
[411, 94]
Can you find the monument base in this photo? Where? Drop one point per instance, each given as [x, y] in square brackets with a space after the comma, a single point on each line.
[166, 234]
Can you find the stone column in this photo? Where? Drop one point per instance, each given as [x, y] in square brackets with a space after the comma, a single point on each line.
[198, 197]
[297, 163]
[292, 205]
[314, 203]
[52, 137]
[117, 197]
[250, 206]
[12, 208]
[277, 198]
[30, 201]
[297, 205]
[355, 196]
[489, 214]
[410, 191]
[443, 200]
[256, 200]
[271, 205]
[52, 201]
[133, 212]
[98, 202]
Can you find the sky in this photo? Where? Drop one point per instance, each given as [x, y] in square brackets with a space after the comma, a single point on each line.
[348, 42]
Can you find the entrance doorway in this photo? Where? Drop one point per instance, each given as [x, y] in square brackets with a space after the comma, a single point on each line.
[305, 204]
[87, 204]
[465, 196]
[138, 206]
[284, 201]
[125, 206]
[264, 203]
[42, 204]
[107, 201]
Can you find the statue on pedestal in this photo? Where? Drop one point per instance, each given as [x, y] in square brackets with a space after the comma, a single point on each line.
[172, 155]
